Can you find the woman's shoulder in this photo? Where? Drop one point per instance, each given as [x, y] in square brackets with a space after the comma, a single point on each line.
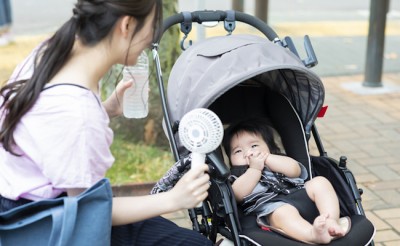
[68, 108]
[67, 90]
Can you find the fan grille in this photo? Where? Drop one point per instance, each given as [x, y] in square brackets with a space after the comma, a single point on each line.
[201, 131]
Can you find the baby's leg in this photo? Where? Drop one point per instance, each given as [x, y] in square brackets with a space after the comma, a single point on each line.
[288, 219]
[320, 190]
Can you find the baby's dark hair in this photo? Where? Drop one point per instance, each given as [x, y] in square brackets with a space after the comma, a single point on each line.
[257, 126]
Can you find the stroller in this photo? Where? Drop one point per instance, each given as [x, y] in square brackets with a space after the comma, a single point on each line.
[237, 76]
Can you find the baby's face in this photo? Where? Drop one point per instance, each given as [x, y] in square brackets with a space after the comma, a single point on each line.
[244, 144]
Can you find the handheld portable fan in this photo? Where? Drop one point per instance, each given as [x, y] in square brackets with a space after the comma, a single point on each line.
[201, 132]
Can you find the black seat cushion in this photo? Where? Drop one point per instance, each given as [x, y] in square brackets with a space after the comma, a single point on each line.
[361, 233]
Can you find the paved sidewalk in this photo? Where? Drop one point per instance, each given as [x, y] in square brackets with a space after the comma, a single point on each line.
[364, 125]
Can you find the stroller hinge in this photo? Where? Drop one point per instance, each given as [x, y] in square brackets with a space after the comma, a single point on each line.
[230, 21]
[311, 59]
[186, 27]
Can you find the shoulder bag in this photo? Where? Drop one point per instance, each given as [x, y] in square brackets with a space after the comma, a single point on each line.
[81, 220]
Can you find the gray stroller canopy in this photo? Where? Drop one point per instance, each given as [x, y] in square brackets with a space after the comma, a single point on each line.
[209, 68]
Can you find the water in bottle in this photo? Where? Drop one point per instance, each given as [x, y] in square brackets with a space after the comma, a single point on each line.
[135, 100]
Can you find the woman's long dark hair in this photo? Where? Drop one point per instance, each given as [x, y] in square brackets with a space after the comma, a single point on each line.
[92, 21]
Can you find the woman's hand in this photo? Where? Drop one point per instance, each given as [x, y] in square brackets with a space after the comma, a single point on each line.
[192, 188]
[113, 104]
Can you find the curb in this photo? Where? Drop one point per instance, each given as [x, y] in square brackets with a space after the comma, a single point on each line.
[135, 189]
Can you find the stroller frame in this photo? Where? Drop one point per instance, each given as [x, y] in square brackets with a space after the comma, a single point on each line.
[224, 214]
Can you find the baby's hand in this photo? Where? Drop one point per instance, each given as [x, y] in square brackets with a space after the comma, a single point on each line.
[256, 159]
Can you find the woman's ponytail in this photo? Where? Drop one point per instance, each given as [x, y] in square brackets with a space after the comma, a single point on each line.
[20, 96]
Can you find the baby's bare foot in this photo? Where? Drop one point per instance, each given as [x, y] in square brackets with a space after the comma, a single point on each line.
[320, 233]
[334, 229]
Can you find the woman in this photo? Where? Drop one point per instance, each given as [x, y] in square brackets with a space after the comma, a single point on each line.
[54, 130]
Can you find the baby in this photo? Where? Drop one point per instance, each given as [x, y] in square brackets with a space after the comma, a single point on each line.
[271, 185]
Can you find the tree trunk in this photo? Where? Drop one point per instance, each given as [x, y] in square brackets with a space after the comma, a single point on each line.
[262, 10]
[238, 5]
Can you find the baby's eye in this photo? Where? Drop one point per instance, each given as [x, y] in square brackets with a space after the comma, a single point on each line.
[237, 151]
[254, 146]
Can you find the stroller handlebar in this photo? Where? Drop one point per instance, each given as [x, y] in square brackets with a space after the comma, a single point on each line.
[229, 17]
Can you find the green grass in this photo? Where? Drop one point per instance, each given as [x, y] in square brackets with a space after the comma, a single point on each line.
[137, 163]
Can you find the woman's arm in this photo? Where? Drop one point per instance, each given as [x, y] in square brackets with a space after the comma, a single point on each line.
[187, 193]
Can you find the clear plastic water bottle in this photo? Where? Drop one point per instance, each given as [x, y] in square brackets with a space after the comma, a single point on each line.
[135, 100]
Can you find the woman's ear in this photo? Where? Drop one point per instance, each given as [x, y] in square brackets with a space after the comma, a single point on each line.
[126, 25]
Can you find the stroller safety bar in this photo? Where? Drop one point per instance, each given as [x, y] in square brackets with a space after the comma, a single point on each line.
[229, 17]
